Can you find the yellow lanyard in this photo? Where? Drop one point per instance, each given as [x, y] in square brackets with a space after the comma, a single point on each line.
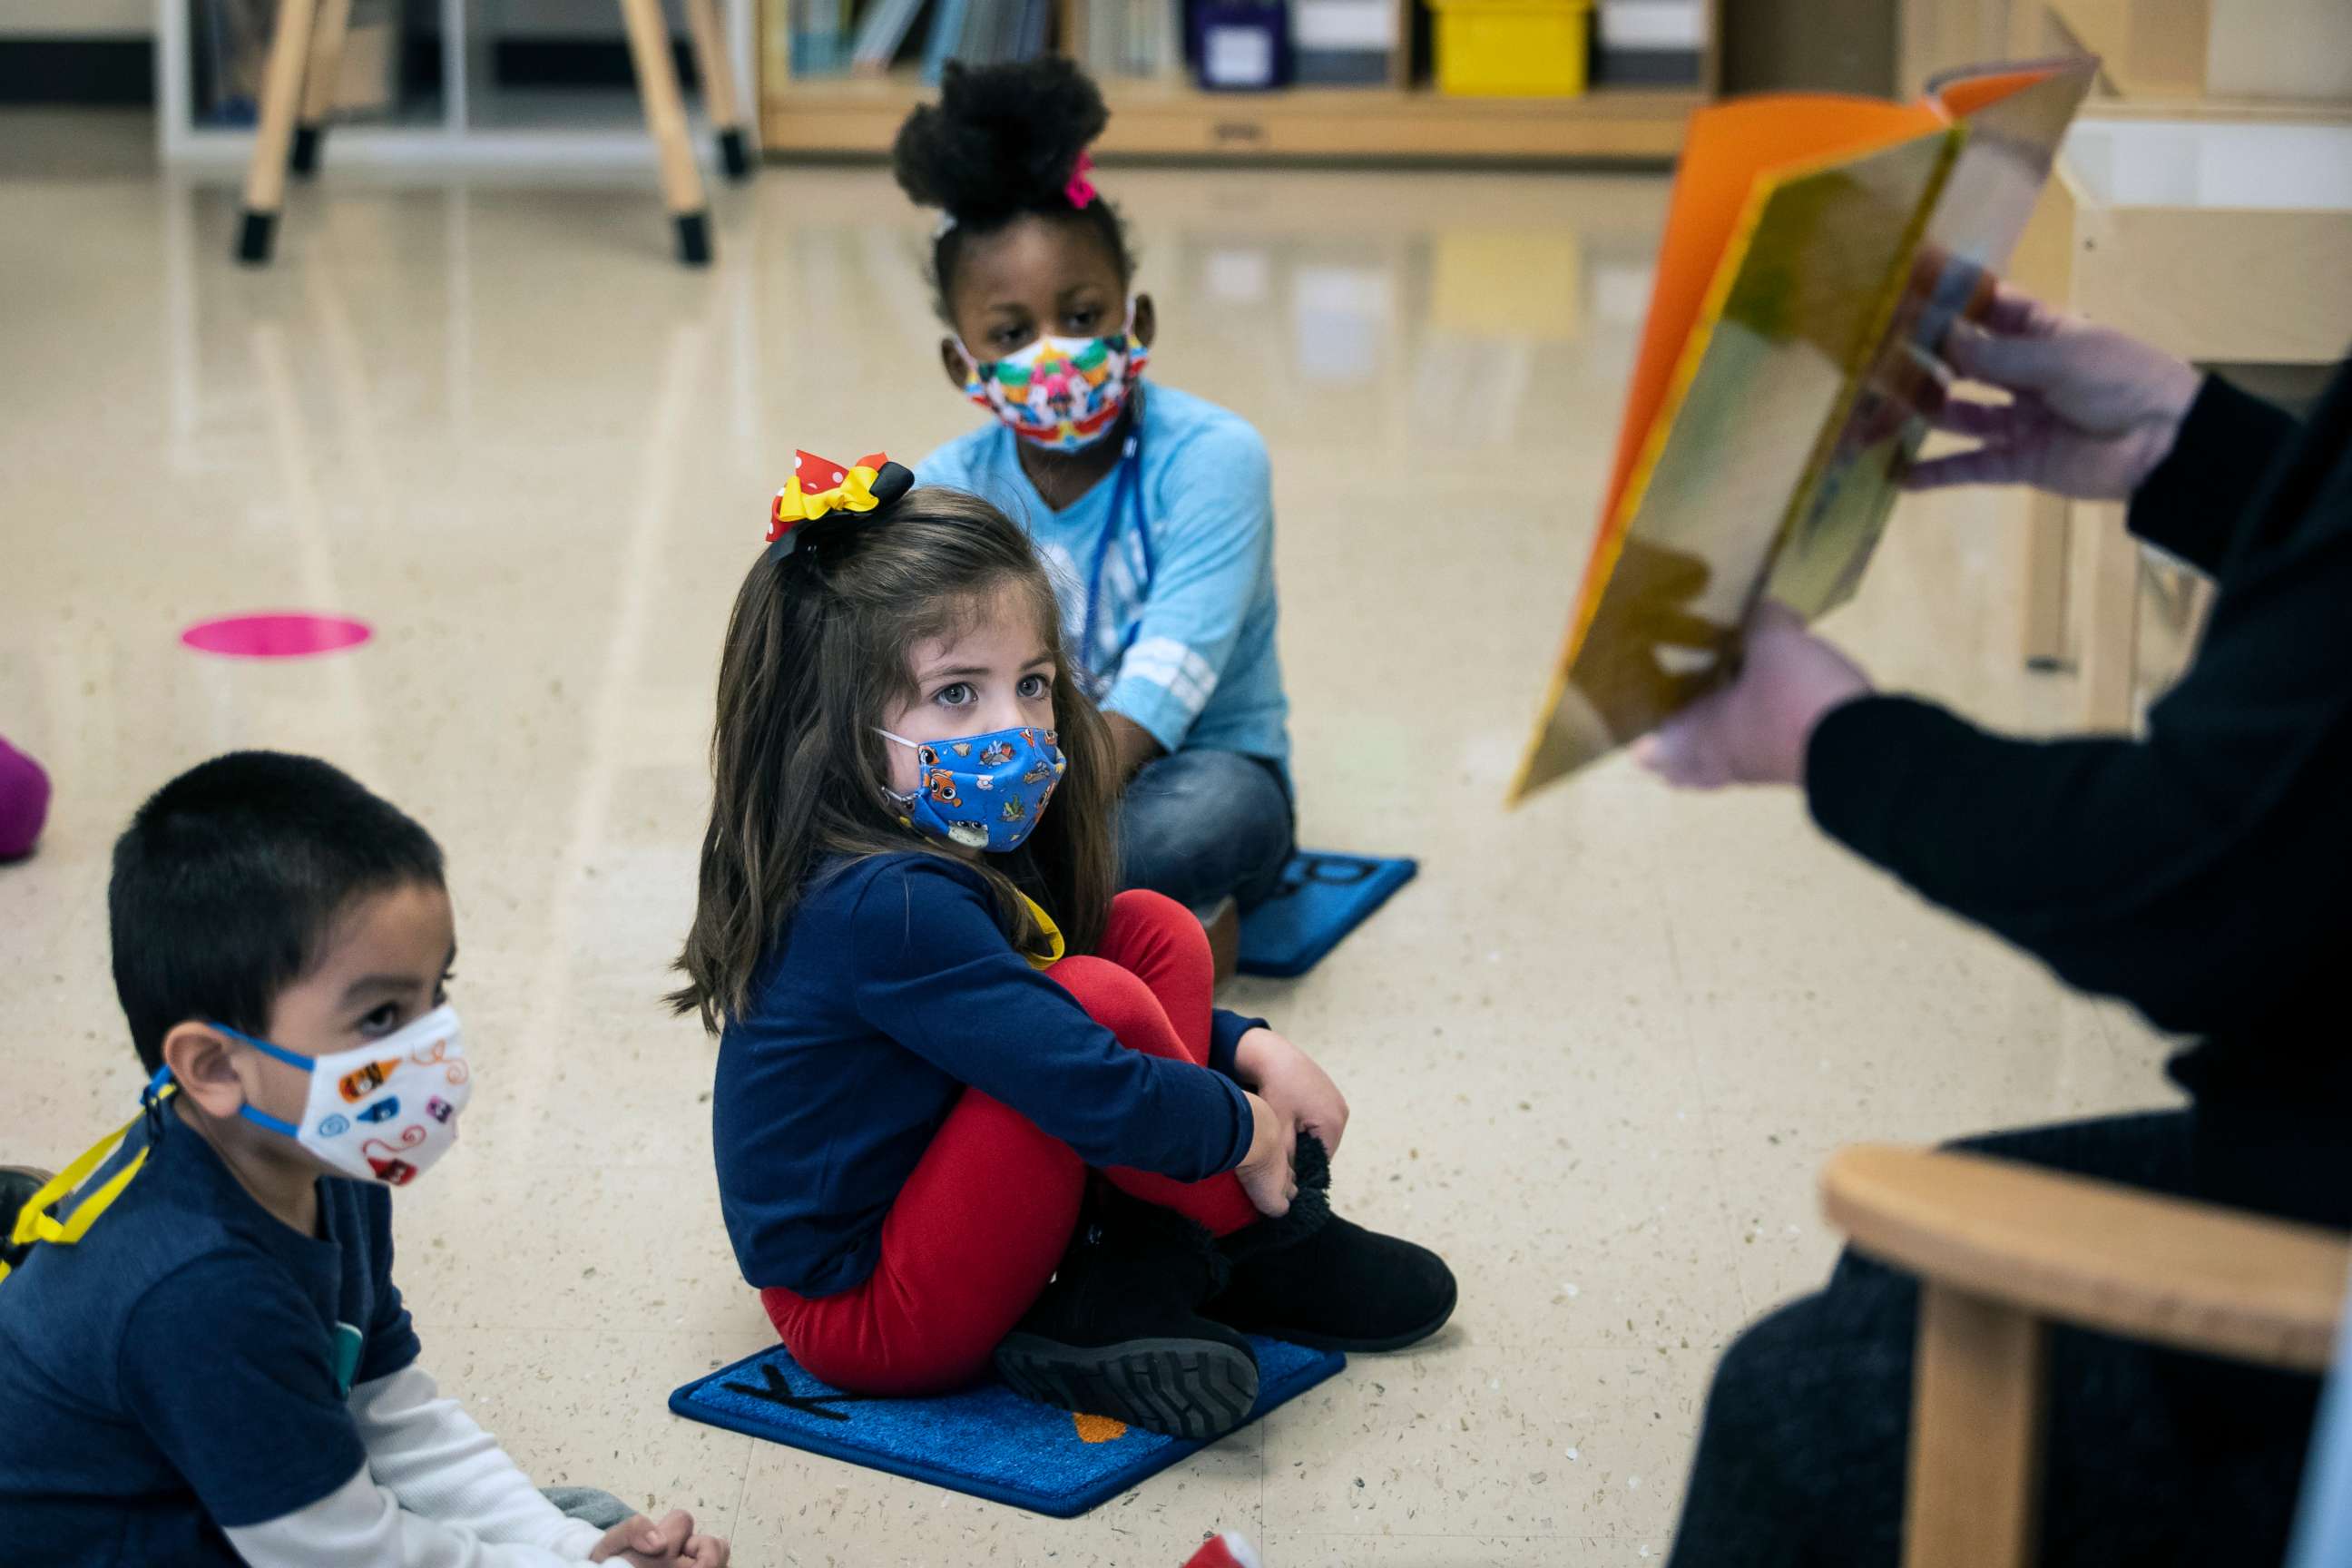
[34, 1223]
[1053, 935]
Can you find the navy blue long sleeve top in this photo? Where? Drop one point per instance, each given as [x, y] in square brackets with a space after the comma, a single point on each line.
[2197, 871]
[893, 988]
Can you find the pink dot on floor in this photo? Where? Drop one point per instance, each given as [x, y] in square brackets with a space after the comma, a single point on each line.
[277, 634]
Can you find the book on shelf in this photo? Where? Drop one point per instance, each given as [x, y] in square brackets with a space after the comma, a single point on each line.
[981, 25]
[986, 32]
[947, 32]
[1036, 28]
[1156, 33]
[1128, 37]
[820, 36]
[883, 32]
[1816, 249]
[995, 43]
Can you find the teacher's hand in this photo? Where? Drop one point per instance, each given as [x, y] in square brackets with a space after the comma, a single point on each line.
[1755, 731]
[2091, 411]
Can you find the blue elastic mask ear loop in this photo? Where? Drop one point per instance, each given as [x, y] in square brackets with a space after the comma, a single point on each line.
[150, 1099]
[262, 1118]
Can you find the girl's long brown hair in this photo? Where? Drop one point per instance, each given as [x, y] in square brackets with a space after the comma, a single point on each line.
[819, 648]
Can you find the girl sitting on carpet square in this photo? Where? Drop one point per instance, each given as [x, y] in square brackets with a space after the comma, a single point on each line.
[971, 1106]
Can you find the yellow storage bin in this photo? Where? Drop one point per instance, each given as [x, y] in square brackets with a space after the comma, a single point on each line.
[1513, 48]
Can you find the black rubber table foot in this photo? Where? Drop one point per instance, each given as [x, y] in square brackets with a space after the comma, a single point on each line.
[735, 154]
[694, 238]
[255, 238]
[304, 159]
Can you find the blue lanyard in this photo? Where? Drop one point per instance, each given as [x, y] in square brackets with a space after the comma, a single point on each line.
[1127, 495]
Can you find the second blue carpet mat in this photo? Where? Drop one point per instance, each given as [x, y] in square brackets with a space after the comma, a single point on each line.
[1323, 897]
[987, 1441]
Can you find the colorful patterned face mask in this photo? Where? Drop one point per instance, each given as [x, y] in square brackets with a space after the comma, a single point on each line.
[382, 1112]
[1061, 393]
[983, 791]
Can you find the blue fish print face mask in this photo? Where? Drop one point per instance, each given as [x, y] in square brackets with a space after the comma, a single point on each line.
[982, 792]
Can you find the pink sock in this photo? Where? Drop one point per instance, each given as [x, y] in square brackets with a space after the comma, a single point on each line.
[23, 802]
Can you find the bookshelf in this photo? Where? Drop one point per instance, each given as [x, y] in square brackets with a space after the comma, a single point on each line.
[1407, 120]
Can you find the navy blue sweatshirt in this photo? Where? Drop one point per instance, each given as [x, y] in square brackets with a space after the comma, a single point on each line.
[892, 988]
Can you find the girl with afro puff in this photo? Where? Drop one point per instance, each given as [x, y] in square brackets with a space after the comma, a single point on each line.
[1153, 508]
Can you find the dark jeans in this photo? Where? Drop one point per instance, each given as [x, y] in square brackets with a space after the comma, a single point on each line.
[2153, 1456]
[1202, 825]
[601, 1509]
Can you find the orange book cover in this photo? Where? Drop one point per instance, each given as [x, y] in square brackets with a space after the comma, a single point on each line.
[1816, 248]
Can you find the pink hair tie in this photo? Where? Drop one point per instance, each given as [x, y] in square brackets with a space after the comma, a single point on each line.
[1081, 190]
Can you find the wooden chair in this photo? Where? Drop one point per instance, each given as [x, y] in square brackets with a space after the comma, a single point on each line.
[299, 85]
[2004, 1251]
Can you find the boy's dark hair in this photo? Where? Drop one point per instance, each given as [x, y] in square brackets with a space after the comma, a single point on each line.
[229, 880]
[820, 643]
[1002, 143]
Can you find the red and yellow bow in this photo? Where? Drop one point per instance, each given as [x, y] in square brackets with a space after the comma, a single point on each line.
[819, 487]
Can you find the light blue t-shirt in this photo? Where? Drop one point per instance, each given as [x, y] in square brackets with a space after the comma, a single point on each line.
[1164, 570]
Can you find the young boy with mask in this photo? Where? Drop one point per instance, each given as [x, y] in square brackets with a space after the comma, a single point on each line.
[202, 1357]
[1154, 507]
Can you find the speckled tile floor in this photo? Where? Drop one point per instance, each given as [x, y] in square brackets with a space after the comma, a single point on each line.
[1596, 1053]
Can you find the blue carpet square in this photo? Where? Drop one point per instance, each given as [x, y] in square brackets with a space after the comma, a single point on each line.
[986, 1441]
[1323, 897]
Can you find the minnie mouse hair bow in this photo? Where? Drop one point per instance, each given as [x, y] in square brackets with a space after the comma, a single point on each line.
[819, 488]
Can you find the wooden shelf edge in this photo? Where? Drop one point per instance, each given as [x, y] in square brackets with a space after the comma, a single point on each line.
[2220, 110]
[859, 117]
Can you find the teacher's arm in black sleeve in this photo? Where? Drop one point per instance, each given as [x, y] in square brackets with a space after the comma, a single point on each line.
[2188, 872]
[2194, 501]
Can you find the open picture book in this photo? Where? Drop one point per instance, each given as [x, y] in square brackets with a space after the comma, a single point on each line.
[1816, 249]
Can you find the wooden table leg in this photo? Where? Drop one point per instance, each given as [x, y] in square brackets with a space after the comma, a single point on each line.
[2043, 264]
[2043, 548]
[2110, 619]
[318, 86]
[718, 72]
[281, 93]
[665, 119]
[1976, 1434]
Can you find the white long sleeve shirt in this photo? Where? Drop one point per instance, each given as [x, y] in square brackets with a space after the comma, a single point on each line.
[436, 1492]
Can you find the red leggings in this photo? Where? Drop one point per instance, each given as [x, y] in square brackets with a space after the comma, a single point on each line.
[981, 1225]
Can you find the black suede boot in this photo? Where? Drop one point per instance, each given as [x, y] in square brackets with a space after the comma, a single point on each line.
[1118, 1332]
[1316, 1279]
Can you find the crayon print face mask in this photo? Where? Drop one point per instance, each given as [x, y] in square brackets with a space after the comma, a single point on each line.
[381, 1111]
